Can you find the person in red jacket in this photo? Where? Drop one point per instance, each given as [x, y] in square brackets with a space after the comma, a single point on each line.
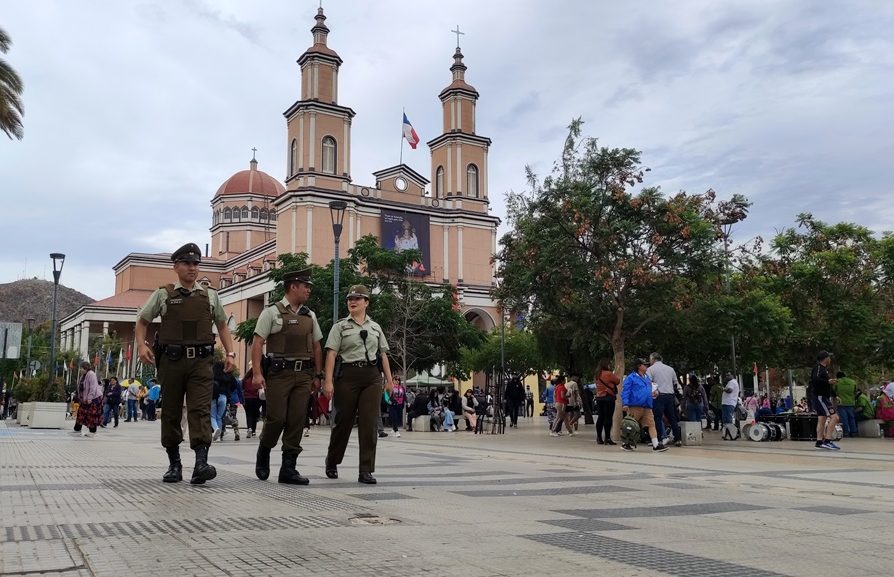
[560, 400]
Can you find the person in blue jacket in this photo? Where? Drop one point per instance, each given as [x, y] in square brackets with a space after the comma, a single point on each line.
[636, 398]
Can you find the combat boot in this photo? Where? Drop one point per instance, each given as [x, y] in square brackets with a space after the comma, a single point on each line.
[202, 471]
[174, 474]
[262, 463]
[287, 472]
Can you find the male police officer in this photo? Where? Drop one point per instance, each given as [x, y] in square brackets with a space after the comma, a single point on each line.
[294, 359]
[184, 353]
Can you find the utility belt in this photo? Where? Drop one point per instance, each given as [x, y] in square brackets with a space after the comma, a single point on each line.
[360, 364]
[177, 352]
[278, 364]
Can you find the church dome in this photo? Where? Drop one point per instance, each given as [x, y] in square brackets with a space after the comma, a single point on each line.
[251, 181]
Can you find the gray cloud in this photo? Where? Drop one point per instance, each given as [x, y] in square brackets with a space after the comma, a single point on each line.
[135, 113]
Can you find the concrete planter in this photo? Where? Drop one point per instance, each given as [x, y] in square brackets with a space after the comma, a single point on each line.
[48, 415]
[24, 414]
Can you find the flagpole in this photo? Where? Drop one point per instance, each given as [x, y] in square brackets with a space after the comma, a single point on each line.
[404, 110]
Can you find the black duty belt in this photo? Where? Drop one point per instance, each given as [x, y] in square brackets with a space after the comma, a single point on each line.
[175, 352]
[299, 365]
[360, 364]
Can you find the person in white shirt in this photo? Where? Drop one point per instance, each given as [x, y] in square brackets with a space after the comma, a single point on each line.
[728, 403]
[132, 389]
[665, 404]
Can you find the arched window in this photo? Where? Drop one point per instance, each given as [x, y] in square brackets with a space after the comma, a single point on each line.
[263, 215]
[329, 155]
[439, 182]
[472, 181]
[228, 214]
[244, 213]
[293, 158]
[272, 216]
[213, 218]
[255, 213]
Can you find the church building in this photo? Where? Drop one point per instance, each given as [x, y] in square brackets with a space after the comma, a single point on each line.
[254, 216]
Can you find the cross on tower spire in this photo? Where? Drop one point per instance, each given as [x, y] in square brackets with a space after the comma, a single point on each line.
[253, 151]
[458, 34]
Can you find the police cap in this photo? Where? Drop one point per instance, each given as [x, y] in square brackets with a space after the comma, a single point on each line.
[302, 275]
[189, 252]
[359, 291]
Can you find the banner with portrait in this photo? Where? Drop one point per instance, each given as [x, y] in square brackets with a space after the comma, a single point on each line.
[406, 231]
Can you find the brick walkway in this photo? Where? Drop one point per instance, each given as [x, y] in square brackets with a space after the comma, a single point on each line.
[447, 504]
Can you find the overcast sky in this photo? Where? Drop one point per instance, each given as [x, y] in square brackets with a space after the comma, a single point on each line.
[135, 112]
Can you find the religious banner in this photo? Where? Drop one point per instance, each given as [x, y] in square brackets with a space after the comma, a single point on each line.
[408, 231]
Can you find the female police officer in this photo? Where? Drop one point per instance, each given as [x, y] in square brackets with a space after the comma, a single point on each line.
[359, 343]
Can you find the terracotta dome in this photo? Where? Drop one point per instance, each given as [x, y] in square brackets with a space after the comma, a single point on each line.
[251, 181]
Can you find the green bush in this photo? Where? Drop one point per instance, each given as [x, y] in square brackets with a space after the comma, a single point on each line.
[37, 389]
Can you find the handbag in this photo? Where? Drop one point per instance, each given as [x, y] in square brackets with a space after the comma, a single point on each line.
[885, 410]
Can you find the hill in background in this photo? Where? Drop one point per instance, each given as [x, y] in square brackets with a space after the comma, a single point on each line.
[33, 298]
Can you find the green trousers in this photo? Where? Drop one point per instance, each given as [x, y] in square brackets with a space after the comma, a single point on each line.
[358, 390]
[288, 393]
[190, 377]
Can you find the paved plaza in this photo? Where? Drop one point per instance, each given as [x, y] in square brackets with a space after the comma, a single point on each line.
[447, 504]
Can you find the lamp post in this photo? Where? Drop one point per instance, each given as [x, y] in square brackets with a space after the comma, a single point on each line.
[337, 214]
[58, 260]
[727, 227]
[30, 322]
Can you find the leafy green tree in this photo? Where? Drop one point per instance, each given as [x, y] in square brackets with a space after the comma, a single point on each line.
[519, 349]
[11, 86]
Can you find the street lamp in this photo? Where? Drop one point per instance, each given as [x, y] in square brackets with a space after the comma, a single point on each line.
[727, 228]
[337, 214]
[58, 261]
[30, 321]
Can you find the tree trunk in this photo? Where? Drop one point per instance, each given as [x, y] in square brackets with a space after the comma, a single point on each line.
[618, 350]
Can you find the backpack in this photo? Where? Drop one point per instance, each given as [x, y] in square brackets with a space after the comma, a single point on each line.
[695, 395]
[630, 431]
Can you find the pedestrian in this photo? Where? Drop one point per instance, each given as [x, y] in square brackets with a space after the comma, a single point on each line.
[665, 377]
[549, 407]
[133, 400]
[826, 414]
[251, 391]
[573, 405]
[396, 408]
[90, 399]
[141, 397]
[152, 397]
[515, 398]
[715, 402]
[606, 396]
[357, 385]
[845, 391]
[223, 383]
[290, 372]
[637, 398]
[112, 402]
[729, 401]
[695, 400]
[185, 351]
[529, 402]
[560, 400]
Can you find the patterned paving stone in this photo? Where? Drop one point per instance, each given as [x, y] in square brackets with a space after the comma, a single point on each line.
[832, 510]
[586, 490]
[665, 511]
[381, 496]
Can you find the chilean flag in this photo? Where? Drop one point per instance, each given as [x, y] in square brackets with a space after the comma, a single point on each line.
[409, 133]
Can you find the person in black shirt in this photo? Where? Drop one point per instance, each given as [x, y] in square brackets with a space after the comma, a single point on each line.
[826, 417]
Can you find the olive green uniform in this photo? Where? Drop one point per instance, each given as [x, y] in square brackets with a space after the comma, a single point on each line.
[290, 336]
[187, 316]
[359, 387]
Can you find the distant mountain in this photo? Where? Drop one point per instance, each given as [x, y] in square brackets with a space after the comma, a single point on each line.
[33, 298]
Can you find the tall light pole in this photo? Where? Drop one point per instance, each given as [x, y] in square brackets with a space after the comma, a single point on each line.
[58, 261]
[30, 322]
[337, 214]
[727, 228]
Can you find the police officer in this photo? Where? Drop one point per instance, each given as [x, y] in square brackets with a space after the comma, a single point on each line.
[360, 344]
[184, 351]
[294, 357]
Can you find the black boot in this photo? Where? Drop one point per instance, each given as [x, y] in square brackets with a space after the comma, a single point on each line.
[287, 472]
[202, 471]
[262, 463]
[174, 474]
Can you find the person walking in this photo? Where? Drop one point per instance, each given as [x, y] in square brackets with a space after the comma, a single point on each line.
[223, 384]
[357, 386]
[292, 336]
[515, 398]
[560, 400]
[529, 402]
[152, 397]
[133, 401]
[826, 414]
[549, 405]
[665, 377]
[728, 403]
[573, 406]
[637, 397]
[606, 395]
[396, 408]
[112, 402]
[185, 349]
[90, 401]
[715, 396]
[251, 390]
